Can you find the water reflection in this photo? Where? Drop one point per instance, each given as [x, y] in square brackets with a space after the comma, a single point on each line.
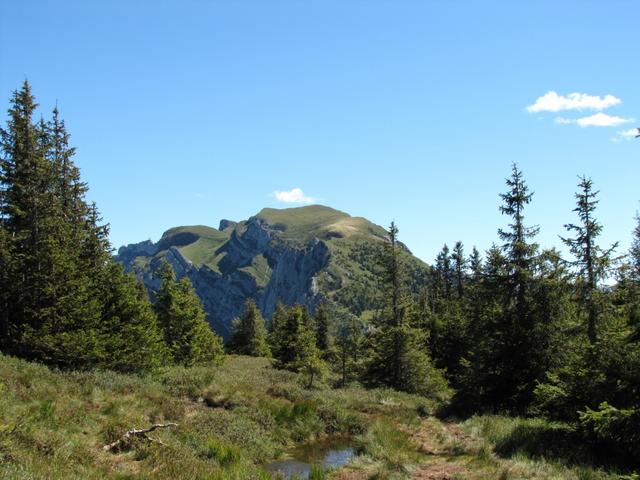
[327, 455]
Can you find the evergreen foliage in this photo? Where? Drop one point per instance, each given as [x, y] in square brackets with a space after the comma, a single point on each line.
[321, 320]
[399, 357]
[182, 320]
[249, 333]
[591, 261]
[64, 301]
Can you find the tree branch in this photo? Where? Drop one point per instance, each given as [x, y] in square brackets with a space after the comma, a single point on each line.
[134, 433]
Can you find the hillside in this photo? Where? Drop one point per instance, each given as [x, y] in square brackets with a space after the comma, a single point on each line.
[297, 255]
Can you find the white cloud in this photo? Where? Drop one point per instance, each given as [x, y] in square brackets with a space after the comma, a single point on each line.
[626, 134]
[295, 195]
[597, 120]
[552, 102]
[564, 121]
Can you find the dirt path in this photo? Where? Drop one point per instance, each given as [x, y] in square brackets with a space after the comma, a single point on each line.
[444, 441]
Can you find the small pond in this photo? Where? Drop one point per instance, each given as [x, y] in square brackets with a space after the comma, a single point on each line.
[330, 454]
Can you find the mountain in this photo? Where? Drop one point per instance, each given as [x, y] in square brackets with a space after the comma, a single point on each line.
[297, 255]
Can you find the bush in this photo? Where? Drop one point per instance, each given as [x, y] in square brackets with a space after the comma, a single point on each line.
[223, 453]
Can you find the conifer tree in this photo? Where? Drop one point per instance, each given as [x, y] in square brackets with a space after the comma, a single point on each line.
[591, 261]
[249, 334]
[129, 333]
[475, 264]
[459, 267]
[444, 273]
[399, 358]
[58, 277]
[277, 330]
[289, 331]
[518, 250]
[634, 251]
[24, 176]
[516, 351]
[394, 279]
[308, 360]
[349, 343]
[321, 318]
[183, 322]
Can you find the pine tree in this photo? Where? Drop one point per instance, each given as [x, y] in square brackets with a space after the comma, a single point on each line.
[349, 344]
[399, 358]
[443, 273]
[321, 318]
[308, 360]
[130, 336]
[63, 299]
[183, 322]
[592, 262]
[393, 278]
[24, 175]
[475, 264]
[249, 335]
[516, 352]
[634, 251]
[518, 251]
[459, 267]
[289, 331]
[277, 330]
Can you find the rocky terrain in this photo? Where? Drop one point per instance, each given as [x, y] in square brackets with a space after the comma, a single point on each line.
[296, 255]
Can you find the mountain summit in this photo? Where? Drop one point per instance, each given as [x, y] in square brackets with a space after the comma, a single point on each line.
[296, 255]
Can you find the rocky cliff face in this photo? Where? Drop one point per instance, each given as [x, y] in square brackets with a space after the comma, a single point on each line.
[299, 255]
[224, 290]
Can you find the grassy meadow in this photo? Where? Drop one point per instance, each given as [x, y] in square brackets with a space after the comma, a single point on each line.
[235, 418]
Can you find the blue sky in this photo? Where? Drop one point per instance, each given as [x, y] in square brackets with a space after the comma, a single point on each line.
[186, 112]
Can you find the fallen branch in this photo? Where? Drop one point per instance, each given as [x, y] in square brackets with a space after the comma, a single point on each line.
[135, 433]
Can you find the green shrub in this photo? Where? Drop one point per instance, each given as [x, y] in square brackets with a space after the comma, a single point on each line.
[221, 452]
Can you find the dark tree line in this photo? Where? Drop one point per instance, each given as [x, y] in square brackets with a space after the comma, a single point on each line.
[63, 299]
[528, 332]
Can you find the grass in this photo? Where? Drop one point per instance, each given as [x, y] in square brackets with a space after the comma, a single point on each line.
[231, 420]
[235, 418]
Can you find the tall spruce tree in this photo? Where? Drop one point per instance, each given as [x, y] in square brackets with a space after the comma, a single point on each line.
[321, 320]
[129, 333]
[443, 273]
[25, 174]
[249, 334]
[349, 345]
[459, 267]
[277, 329]
[507, 356]
[517, 353]
[399, 357]
[182, 321]
[634, 251]
[591, 261]
[57, 270]
[289, 329]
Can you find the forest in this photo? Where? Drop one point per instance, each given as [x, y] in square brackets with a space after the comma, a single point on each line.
[549, 338]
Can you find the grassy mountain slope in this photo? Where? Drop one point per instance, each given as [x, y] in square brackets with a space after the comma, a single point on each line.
[302, 224]
[234, 418]
[347, 275]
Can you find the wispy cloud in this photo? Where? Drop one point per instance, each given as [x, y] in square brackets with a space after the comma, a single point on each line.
[625, 134]
[295, 195]
[552, 102]
[597, 120]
